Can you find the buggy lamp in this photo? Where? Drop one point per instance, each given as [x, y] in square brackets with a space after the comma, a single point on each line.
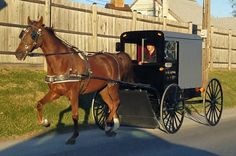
[200, 89]
[161, 69]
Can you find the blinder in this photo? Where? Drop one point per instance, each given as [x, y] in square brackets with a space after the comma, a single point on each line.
[22, 33]
[34, 35]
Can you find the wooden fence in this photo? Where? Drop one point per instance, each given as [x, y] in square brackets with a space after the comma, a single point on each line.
[93, 28]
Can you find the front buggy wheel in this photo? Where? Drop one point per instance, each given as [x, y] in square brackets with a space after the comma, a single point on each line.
[100, 111]
[172, 108]
[213, 102]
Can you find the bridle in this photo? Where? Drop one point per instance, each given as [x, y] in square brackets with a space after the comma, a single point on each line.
[35, 35]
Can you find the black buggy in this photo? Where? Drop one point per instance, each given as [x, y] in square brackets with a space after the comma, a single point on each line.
[162, 89]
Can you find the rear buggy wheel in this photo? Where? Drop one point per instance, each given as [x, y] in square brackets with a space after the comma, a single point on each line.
[213, 102]
[100, 111]
[172, 109]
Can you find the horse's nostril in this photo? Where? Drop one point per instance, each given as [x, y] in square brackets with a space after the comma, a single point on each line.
[19, 55]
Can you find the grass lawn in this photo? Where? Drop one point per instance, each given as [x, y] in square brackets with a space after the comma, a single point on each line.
[20, 89]
[227, 80]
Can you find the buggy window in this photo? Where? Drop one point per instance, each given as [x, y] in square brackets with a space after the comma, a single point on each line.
[171, 50]
[131, 49]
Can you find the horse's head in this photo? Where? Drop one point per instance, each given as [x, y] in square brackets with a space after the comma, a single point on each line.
[30, 38]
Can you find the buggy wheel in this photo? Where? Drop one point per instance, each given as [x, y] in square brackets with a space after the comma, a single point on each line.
[100, 111]
[213, 102]
[172, 109]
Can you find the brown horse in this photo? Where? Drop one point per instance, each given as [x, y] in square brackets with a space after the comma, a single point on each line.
[71, 73]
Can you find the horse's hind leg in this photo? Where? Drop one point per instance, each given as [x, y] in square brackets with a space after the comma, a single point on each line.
[61, 114]
[73, 96]
[111, 97]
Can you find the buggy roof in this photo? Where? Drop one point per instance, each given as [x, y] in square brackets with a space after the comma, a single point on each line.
[155, 35]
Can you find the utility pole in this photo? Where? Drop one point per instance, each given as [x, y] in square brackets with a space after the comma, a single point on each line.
[206, 24]
[47, 21]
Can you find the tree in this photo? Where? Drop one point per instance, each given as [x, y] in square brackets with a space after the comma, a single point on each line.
[233, 5]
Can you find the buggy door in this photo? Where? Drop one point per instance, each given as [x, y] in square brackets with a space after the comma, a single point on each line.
[147, 72]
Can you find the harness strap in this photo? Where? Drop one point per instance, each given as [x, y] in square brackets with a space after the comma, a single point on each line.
[65, 78]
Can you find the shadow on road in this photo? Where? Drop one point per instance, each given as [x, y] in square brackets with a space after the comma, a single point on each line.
[128, 142]
[92, 141]
[85, 102]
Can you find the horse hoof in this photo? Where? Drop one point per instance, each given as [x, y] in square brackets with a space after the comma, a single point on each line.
[46, 123]
[110, 133]
[70, 141]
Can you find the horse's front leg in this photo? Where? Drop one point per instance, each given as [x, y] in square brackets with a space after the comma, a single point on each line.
[50, 96]
[74, 96]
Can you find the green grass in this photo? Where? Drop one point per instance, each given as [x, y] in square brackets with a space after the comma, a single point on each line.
[227, 80]
[19, 92]
[20, 89]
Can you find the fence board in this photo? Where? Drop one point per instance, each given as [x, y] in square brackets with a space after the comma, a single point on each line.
[91, 28]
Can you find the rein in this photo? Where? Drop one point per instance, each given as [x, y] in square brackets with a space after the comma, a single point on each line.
[45, 55]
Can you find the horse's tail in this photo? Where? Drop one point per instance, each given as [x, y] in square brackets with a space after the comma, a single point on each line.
[126, 67]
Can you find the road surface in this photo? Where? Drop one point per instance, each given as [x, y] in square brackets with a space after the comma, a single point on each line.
[192, 139]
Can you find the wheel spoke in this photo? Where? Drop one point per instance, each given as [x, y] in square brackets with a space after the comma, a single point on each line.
[217, 91]
[172, 108]
[217, 109]
[213, 106]
[99, 111]
[210, 114]
[215, 88]
[210, 88]
[168, 119]
[209, 95]
[217, 113]
[208, 110]
[208, 105]
[165, 116]
[177, 117]
[214, 115]
[176, 123]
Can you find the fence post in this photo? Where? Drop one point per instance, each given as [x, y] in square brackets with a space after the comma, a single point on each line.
[164, 23]
[230, 49]
[211, 47]
[190, 27]
[47, 13]
[47, 21]
[134, 20]
[95, 25]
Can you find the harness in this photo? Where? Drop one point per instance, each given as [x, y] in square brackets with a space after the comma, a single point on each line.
[65, 78]
[69, 76]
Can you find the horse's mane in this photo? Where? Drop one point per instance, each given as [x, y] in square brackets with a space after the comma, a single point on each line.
[50, 30]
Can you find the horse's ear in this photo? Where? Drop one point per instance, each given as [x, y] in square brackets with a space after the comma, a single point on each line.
[41, 20]
[29, 21]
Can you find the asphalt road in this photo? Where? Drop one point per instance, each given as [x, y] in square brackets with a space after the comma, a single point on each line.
[193, 139]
